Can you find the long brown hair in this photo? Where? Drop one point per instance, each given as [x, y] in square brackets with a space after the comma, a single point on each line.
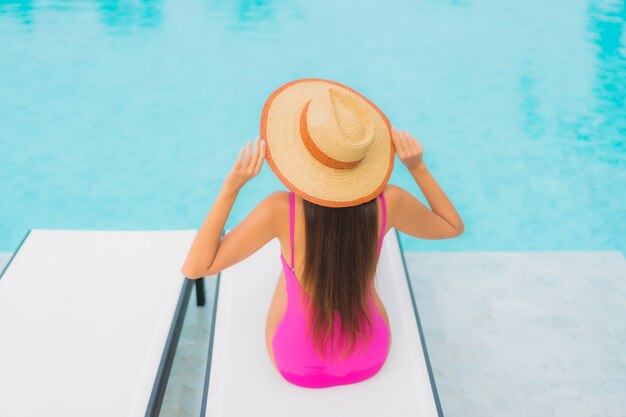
[340, 263]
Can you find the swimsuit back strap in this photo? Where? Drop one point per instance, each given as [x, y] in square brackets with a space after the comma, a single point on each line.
[292, 221]
[384, 222]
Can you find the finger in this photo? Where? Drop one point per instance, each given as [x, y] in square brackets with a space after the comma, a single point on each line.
[420, 149]
[415, 145]
[259, 162]
[255, 155]
[239, 157]
[409, 141]
[394, 133]
[243, 157]
[401, 144]
[246, 160]
[396, 139]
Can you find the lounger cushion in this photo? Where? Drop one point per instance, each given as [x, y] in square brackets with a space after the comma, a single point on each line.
[84, 316]
[243, 381]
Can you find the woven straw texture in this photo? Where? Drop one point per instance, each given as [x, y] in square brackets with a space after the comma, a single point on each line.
[327, 143]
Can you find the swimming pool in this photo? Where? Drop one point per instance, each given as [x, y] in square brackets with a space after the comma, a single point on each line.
[127, 115]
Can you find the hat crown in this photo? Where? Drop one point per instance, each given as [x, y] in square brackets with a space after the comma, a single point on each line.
[341, 126]
[351, 116]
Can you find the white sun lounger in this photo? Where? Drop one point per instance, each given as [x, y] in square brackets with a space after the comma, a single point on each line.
[241, 380]
[89, 322]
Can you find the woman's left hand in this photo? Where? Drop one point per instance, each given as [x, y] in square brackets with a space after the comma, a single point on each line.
[246, 167]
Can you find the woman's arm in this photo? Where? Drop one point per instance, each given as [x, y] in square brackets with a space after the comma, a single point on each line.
[410, 215]
[207, 240]
[204, 249]
[437, 199]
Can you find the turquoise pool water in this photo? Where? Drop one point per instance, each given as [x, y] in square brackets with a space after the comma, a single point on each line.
[127, 115]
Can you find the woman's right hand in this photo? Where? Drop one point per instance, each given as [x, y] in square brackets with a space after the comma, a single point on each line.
[409, 150]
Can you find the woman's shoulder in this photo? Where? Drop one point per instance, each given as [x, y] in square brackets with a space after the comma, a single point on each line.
[277, 199]
[392, 188]
[394, 197]
[392, 193]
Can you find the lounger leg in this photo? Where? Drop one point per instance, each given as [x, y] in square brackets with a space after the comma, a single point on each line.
[200, 299]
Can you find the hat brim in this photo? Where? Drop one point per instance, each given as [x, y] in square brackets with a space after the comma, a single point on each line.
[300, 171]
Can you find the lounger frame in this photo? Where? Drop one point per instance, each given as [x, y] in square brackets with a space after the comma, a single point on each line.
[14, 253]
[169, 351]
[420, 330]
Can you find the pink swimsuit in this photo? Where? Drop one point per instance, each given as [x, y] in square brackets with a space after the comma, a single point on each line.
[297, 361]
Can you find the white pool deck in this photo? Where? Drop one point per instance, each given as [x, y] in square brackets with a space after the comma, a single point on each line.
[508, 334]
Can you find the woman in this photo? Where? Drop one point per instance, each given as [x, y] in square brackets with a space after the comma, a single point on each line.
[334, 150]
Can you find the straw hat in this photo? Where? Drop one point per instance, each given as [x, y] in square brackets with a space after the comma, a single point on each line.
[327, 143]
